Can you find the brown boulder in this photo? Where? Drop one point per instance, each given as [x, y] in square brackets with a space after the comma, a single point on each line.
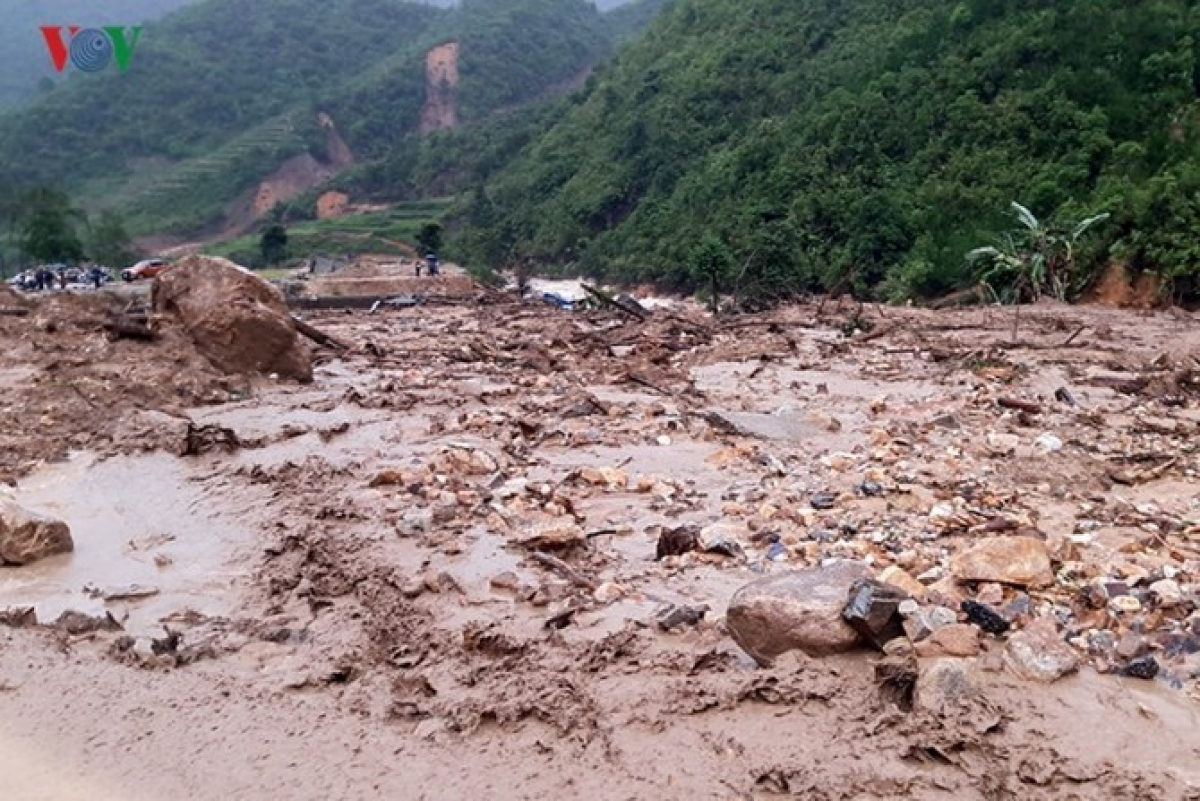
[1038, 653]
[1021, 561]
[27, 536]
[238, 321]
[797, 610]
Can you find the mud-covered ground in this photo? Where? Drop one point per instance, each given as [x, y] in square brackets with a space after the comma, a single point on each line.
[432, 573]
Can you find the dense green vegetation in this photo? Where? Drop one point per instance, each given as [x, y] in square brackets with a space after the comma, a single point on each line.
[392, 231]
[821, 143]
[222, 92]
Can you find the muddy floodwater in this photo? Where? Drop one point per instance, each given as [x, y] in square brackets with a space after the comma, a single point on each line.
[491, 552]
[151, 539]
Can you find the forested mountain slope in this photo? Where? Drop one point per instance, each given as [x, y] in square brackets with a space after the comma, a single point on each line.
[222, 93]
[804, 143]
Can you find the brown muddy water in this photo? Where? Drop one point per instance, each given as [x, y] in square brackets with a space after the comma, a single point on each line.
[149, 528]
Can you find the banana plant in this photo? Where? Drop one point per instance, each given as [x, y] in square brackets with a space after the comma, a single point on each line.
[1032, 261]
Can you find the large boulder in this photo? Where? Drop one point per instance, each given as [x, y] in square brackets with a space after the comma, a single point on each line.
[797, 610]
[27, 536]
[238, 321]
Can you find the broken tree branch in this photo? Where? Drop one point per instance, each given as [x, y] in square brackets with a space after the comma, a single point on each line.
[317, 335]
[563, 569]
[1020, 405]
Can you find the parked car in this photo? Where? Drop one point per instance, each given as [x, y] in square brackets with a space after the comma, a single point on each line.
[145, 269]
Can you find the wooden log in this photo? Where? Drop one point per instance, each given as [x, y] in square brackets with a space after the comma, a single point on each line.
[606, 299]
[317, 335]
[1029, 407]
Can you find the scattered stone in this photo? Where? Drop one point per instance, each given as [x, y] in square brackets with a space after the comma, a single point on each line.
[131, 592]
[957, 639]
[721, 539]
[1132, 646]
[922, 621]
[1168, 593]
[898, 577]
[18, 617]
[27, 536]
[823, 500]
[76, 623]
[1038, 653]
[985, 617]
[680, 616]
[551, 533]
[946, 682]
[871, 489]
[873, 611]
[1021, 561]
[1145, 668]
[796, 610]
[1048, 443]
[1125, 604]
[609, 477]
[387, 478]
[507, 580]
[608, 592]
[677, 541]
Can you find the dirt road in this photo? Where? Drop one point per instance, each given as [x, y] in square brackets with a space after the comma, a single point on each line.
[364, 608]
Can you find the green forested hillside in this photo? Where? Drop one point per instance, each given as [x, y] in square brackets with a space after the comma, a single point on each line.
[220, 93]
[801, 143]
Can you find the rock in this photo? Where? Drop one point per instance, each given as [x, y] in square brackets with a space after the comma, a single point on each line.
[18, 617]
[609, 477]
[238, 321]
[680, 616]
[1168, 592]
[75, 623]
[898, 577]
[1022, 561]
[551, 533]
[27, 536]
[1144, 668]
[608, 592]
[872, 610]
[946, 682]
[507, 580]
[957, 639]
[389, 477]
[797, 610]
[723, 539]
[1038, 653]
[1132, 646]
[677, 541]
[823, 500]
[921, 621]
[128, 592]
[1126, 604]
[1048, 443]
[985, 617]
[152, 430]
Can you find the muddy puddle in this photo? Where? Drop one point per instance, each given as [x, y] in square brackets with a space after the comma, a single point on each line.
[149, 542]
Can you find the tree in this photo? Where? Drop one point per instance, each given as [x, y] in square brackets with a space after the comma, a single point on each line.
[273, 244]
[1034, 259]
[48, 234]
[710, 261]
[109, 243]
[429, 238]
